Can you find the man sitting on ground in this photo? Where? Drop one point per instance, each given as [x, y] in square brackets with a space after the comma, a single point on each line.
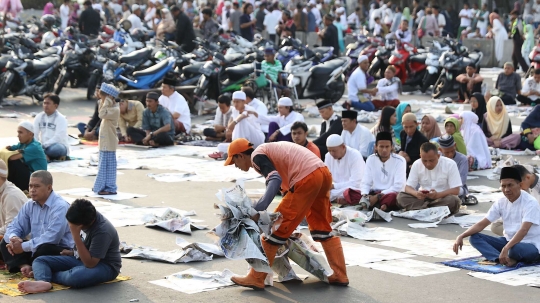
[384, 175]
[520, 214]
[299, 131]
[131, 115]
[25, 157]
[447, 146]
[177, 105]
[90, 131]
[258, 105]
[469, 83]
[331, 125]
[98, 255]
[356, 135]
[44, 219]
[411, 138]
[347, 167]
[437, 180]
[531, 89]
[223, 115]
[279, 126]
[157, 127]
[509, 85]
[11, 200]
[359, 95]
[272, 69]
[388, 89]
[51, 129]
[529, 184]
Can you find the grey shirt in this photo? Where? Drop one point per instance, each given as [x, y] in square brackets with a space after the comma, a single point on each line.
[509, 85]
[102, 242]
[235, 21]
[463, 167]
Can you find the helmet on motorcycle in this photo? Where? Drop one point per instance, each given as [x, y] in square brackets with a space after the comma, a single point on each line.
[257, 37]
[48, 20]
[160, 55]
[125, 24]
[69, 32]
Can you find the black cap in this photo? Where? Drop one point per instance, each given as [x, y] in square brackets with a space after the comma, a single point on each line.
[384, 136]
[349, 114]
[510, 173]
[152, 95]
[169, 81]
[324, 104]
[446, 141]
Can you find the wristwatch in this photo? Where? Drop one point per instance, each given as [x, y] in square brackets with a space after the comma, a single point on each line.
[151, 134]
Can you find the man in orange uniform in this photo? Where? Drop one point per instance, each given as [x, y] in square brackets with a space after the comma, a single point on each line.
[305, 182]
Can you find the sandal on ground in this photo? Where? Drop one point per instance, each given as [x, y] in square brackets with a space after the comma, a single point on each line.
[106, 193]
[469, 200]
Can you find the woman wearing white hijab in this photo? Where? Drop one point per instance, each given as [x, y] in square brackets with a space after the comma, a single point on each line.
[497, 126]
[477, 148]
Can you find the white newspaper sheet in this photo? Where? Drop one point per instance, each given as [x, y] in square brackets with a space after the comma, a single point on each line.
[358, 254]
[192, 281]
[183, 225]
[432, 214]
[522, 276]
[411, 268]
[87, 192]
[483, 189]
[359, 232]
[431, 247]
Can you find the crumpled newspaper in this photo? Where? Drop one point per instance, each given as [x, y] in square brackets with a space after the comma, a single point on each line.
[174, 222]
[432, 214]
[189, 252]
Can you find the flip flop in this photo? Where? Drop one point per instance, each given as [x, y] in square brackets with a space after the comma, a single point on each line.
[469, 200]
[106, 193]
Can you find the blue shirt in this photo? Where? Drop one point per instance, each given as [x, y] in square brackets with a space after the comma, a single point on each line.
[33, 155]
[47, 224]
[154, 121]
[311, 23]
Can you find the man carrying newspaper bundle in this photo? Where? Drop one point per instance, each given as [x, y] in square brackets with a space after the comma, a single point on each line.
[306, 183]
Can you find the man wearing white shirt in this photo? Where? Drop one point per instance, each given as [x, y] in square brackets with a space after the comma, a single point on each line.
[536, 13]
[64, 14]
[315, 11]
[279, 126]
[355, 135]
[136, 23]
[483, 18]
[354, 18]
[441, 20]
[388, 89]
[531, 89]
[221, 120]
[271, 20]
[388, 15]
[177, 105]
[358, 95]
[257, 104]
[50, 129]
[150, 14]
[225, 15]
[403, 34]
[330, 125]
[465, 18]
[437, 179]
[384, 175]
[520, 214]
[117, 8]
[347, 167]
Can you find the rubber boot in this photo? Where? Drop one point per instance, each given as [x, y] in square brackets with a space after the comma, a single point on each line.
[336, 259]
[255, 279]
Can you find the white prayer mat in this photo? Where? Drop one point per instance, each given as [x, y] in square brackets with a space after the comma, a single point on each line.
[193, 281]
[483, 189]
[526, 152]
[86, 192]
[488, 197]
[431, 247]
[359, 232]
[358, 254]
[411, 268]
[529, 275]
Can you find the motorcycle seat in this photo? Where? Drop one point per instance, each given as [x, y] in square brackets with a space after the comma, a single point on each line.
[136, 55]
[234, 57]
[4, 60]
[107, 45]
[474, 56]
[193, 68]
[419, 58]
[327, 67]
[321, 49]
[46, 52]
[239, 71]
[44, 63]
[152, 70]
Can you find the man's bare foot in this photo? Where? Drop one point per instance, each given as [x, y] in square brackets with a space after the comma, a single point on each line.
[32, 287]
[341, 201]
[383, 207]
[511, 262]
[26, 271]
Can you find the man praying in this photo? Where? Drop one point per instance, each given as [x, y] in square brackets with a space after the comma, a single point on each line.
[356, 135]
[157, 126]
[411, 138]
[131, 115]
[330, 125]
[437, 180]
[177, 105]
[520, 214]
[346, 166]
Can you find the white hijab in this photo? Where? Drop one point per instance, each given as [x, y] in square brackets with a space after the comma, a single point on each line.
[475, 140]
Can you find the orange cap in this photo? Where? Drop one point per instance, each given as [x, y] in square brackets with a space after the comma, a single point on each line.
[236, 147]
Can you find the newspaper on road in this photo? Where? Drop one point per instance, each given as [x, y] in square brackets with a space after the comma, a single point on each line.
[193, 281]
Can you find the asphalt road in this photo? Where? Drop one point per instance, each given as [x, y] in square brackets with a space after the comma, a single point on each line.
[366, 285]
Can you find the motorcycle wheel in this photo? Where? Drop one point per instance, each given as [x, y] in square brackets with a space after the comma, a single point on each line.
[426, 83]
[337, 89]
[5, 82]
[374, 69]
[92, 84]
[440, 87]
[61, 83]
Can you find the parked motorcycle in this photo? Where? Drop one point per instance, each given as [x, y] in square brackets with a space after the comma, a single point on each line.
[410, 64]
[534, 56]
[380, 62]
[433, 66]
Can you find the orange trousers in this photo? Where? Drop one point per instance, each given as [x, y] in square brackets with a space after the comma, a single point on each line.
[310, 199]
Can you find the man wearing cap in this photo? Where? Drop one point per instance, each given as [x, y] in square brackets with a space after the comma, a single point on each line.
[134, 18]
[177, 105]
[331, 125]
[388, 89]
[227, 7]
[356, 135]
[403, 34]
[329, 35]
[358, 95]
[109, 113]
[157, 125]
[258, 105]
[11, 200]
[51, 129]
[437, 180]
[316, 12]
[25, 158]
[520, 215]
[299, 132]
[272, 69]
[89, 21]
[243, 122]
[307, 183]
[447, 146]
[184, 29]
[411, 140]
[347, 167]
[279, 126]
[469, 83]
[271, 21]
[384, 175]
[131, 115]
